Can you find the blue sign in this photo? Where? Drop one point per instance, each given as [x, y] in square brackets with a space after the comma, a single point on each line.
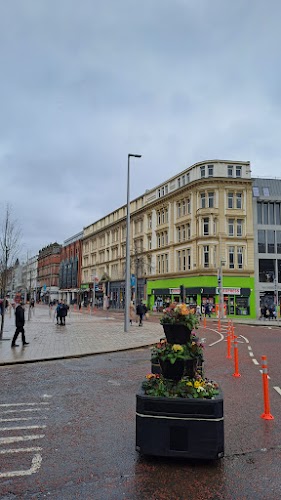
[133, 280]
[44, 288]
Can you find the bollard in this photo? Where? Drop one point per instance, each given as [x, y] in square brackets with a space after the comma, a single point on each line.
[229, 343]
[204, 323]
[236, 358]
[232, 332]
[266, 415]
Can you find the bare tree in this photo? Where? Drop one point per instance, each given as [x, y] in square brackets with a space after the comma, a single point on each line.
[9, 245]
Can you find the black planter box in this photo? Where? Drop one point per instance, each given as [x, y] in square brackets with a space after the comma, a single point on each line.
[179, 427]
[176, 334]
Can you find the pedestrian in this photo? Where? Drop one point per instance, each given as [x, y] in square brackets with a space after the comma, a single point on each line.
[198, 312]
[59, 309]
[132, 312]
[140, 312]
[20, 320]
[64, 312]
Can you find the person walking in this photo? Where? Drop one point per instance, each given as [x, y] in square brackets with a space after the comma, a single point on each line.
[132, 312]
[140, 312]
[64, 312]
[59, 309]
[20, 320]
[198, 312]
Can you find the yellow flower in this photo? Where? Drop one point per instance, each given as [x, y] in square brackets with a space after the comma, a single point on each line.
[196, 384]
[177, 348]
[149, 376]
[189, 383]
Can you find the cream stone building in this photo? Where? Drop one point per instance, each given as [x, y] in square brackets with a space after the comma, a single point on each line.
[187, 234]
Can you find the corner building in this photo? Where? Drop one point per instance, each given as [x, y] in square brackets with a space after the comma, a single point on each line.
[185, 233]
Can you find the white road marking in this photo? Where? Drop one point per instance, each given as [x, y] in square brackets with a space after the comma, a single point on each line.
[255, 362]
[22, 404]
[17, 439]
[277, 389]
[217, 341]
[249, 347]
[246, 340]
[22, 427]
[267, 375]
[35, 466]
[20, 450]
[251, 354]
[17, 419]
[25, 410]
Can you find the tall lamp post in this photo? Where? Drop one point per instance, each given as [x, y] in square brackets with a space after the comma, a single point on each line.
[128, 274]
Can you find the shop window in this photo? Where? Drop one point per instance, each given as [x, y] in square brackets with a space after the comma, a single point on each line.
[266, 270]
[261, 241]
[230, 200]
[270, 241]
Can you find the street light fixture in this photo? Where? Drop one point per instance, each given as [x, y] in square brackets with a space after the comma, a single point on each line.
[128, 274]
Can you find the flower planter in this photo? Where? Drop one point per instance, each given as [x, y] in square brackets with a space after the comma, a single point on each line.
[172, 371]
[190, 366]
[176, 334]
[180, 427]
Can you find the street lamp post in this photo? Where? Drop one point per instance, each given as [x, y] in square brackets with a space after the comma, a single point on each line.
[127, 279]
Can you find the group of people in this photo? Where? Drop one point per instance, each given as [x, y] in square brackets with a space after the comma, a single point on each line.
[61, 312]
[268, 312]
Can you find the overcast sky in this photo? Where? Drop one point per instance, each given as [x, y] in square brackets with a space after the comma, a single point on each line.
[84, 83]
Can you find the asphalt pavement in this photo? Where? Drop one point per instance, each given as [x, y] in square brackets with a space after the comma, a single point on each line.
[85, 333]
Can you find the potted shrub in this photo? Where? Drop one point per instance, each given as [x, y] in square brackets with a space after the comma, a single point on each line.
[178, 322]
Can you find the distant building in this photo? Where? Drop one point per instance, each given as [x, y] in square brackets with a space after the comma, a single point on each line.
[48, 273]
[70, 269]
[267, 224]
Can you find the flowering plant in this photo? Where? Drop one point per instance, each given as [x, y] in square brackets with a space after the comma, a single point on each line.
[164, 351]
[179, 314]
[197, 387]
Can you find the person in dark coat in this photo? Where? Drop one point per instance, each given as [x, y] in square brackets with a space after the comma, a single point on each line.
[140, 312]
[20, 320]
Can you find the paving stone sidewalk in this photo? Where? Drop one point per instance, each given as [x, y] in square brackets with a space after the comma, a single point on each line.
[84, 334]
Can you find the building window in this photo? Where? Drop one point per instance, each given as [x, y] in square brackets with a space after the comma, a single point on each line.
[211, 200]
[183, 180]
[240, 257]
[238, 171]
[203, 200]
[163, 216]
[183, 208]
[278, 241]
[149, 221]
[206, 255]
[231, 257]
[183, 233]
[239, 200]
[178, 234]
[230, 171]
[270, 241]
[149, 242]
[179, 209]
[159, 240]
[210, 170]
[159, 218]
[230, 227]
[202, 171]
[265, 213]
[230, 200]
[179, 182]
[271, 213]
[277, 214]
[188, 231]
[167, 262]
[187, 178]
[239, 227]
[188, 205]
[206, 226]
[179, 260]
[259, 213]
[163, 191]
[266, 270]
[261, 241]
[159, 193]
[188, 259]
[183, 260]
